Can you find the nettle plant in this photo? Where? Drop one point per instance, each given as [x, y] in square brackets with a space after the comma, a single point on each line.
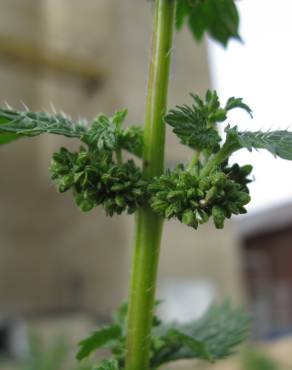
[207, 187]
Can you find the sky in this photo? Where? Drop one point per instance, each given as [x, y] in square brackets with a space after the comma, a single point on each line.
[260, 71]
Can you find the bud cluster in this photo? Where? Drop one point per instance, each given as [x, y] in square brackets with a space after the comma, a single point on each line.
[96, 180]
[181, 194]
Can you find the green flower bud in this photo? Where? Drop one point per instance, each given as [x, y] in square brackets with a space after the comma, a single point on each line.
[188, 217]
[84, 204]
[218, 217]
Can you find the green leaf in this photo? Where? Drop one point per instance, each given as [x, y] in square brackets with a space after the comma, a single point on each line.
[104, 131]
[195, 125]
[120, 316]
[25, 123]
[278, 142]
[110, 364]
[222, 327]
[7, 138]
[214, 336]
[253, 359]
[102, 134]
[120, 116]
[197, 347]
[237, 103]
[105, 134]
[181, 13]
[218, 18]
[131, 139]
[218, 217]
[97, 340]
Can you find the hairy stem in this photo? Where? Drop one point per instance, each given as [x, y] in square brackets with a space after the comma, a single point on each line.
[217, 159]
[148, 225]
[194, 161]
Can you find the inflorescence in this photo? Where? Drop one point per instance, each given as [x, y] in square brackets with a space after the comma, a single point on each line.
[96, 180]
[193, 200]
[97, 175]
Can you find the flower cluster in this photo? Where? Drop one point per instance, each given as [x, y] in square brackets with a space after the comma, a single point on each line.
[193, 200]
[98, 175]
[96, 180]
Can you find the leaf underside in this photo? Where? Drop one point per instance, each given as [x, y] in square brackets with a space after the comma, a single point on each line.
[26, 123]
[218, 18]
[214, 336]
[278, 142]
[97, 340]
[103, 134]
[196, 124]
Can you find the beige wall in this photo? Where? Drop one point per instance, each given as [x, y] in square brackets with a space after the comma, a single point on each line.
[52, 256]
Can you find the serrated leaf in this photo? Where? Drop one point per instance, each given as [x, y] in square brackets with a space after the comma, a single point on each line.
[120, 116]
[120, 316]
[198, 347]
[7, 138]
[218, 18]
[25, 123]
[181, 13]
[233, 103]
[131, 139]
[105, 131]
[102, 134]
[195, 125]
[222, 327]
[192, 128]
[97, 340]
[105, 134]
[278, 142]
[215, 335]
[110, 364]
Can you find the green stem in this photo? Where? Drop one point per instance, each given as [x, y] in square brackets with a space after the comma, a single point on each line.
[148, 225]
[217, 159]
[194, 161]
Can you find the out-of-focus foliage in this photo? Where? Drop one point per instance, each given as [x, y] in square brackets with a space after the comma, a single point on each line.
[214, 336]
[217, 18]
[56, 356]
[258, 360]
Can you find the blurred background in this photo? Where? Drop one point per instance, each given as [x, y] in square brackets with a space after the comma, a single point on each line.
[62, 273]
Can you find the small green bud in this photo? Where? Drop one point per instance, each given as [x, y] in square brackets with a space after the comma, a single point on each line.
[219, 179]
[205, 184]
[243, 198]
[218, 217]
[120, 201]
[202, 216]
[218, 116]
[170, 211]
[82, 159]
[188, 217]
[117, 187]
[65, 183]
[247, 169]
[175, 194]
[211, 194]
[84, 204]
